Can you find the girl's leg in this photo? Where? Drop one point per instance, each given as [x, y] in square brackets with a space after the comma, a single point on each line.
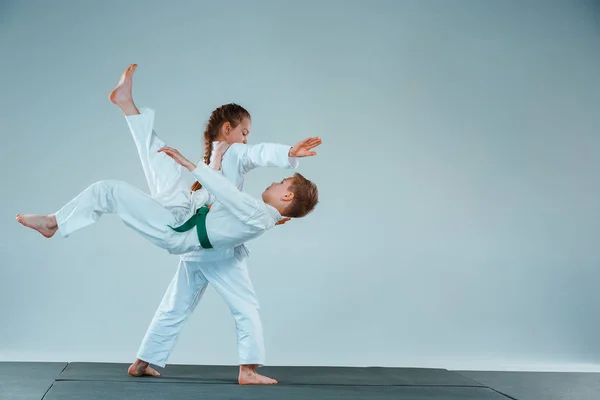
[183, 294]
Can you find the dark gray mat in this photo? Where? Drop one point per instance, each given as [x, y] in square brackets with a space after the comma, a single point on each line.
[541, 385]
[27, 380]
[70, 390]
[374, 376]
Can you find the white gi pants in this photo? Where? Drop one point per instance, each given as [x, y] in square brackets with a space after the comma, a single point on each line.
[136, 209]
[170, 204]
[231, 280]
[229, 277]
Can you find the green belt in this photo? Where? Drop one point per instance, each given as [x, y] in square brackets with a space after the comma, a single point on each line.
[199, 221]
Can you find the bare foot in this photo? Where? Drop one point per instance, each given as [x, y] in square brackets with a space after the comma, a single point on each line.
[122, 94]
[249, 376]
[142, 368]
[44, 224]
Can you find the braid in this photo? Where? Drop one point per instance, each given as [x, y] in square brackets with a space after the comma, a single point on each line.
[208, 142]
[232, 113]
[208, 150]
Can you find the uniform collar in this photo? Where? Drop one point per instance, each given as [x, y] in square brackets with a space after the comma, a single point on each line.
[274, 213]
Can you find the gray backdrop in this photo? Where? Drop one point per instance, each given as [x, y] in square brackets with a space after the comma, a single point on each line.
[458, 224]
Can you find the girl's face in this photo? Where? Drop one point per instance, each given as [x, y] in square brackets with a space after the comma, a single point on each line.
[239, 134]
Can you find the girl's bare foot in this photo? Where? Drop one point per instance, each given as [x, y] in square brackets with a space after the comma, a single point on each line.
[142, 368]
[249, 376]
[44, 224]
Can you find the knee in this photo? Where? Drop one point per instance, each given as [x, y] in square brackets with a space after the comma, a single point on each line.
[108, 185]
[175, 309]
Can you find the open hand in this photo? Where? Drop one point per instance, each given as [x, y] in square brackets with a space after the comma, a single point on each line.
[178, 157]
[303, 148]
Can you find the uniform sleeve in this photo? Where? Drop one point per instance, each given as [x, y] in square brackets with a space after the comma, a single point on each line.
[263, 155]
[242, 205]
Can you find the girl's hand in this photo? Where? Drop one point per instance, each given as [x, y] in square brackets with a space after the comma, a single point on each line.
[303, 148]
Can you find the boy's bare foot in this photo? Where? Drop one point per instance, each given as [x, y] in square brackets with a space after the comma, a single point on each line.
[142, 368]
[122, 95]
[44, 224]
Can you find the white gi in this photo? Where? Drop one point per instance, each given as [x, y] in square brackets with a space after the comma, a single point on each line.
[224, 267]
[236, 218]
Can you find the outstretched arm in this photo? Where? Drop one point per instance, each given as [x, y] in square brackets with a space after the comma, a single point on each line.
[243, 158]
[272, 154]
[242, 205]
[259, 155]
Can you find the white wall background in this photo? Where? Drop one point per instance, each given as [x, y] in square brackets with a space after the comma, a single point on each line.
[459, 219]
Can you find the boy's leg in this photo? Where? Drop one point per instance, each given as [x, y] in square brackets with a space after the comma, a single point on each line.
[136, 209]
[162, 173]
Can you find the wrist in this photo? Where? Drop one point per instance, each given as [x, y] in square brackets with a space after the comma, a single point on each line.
[290, 152]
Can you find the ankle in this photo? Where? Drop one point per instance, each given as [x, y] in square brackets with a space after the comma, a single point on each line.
[52, 223]
[140, 363]
[129, 108]
[248, 368]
